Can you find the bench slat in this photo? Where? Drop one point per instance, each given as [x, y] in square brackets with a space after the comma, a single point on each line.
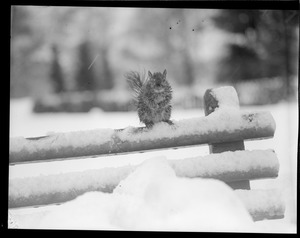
[227, 166]
[263, 204]
[234, 126]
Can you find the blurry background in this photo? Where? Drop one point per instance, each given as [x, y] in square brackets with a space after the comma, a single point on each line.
[68, 66]
[73, 59]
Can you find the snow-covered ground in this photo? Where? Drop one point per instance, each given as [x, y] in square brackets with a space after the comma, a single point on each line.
[134, 206]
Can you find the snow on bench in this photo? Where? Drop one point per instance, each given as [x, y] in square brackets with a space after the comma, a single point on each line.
[226, 167]
[263, 204]
[224, 128]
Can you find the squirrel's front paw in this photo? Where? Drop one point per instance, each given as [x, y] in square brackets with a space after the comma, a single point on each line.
[173, 126]
[149, 125]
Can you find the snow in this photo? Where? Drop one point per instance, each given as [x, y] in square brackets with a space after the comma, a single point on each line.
[242, 163]
[64, 182]
[24, 123]
[212, 128]
[218, 165]
[226, 97]
[262, 201]
[285, 144]
[226, 119]
[145, 201]
[76, 139]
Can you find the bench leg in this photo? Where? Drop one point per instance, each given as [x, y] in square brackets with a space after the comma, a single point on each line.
[211, 103]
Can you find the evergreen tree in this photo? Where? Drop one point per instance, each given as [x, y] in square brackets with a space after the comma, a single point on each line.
[56, 74]
[85, 78]
[265, 50]
[105, 78]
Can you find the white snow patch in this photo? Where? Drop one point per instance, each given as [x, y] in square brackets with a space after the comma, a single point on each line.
[225, 119]
[150, 198]
[262, 200]
[76, 139]
[226, 162]
[226, 97]
[67, 182]
[212, 165]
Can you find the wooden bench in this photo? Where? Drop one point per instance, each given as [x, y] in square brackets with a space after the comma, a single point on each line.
[224, 129]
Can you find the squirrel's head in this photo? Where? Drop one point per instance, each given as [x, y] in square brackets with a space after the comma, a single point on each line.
[158, 80]
[158, 75]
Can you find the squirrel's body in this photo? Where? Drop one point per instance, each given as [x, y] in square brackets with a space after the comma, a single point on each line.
[153, 96]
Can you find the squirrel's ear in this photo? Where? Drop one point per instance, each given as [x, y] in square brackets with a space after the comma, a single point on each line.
[149, 73]
[165, 73]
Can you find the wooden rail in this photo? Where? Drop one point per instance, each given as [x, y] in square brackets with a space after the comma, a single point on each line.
[197, 131]
[57, 188]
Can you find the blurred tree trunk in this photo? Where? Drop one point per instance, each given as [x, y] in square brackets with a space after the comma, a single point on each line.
[22, 47]
[85, 78]
[56, 74]
[188, 68]
[287, 56]
[105, 78]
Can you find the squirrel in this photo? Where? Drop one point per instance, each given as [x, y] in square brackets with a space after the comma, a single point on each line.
[152, 97]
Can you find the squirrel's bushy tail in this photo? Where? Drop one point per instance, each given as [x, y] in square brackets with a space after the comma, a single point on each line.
[135, 82]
